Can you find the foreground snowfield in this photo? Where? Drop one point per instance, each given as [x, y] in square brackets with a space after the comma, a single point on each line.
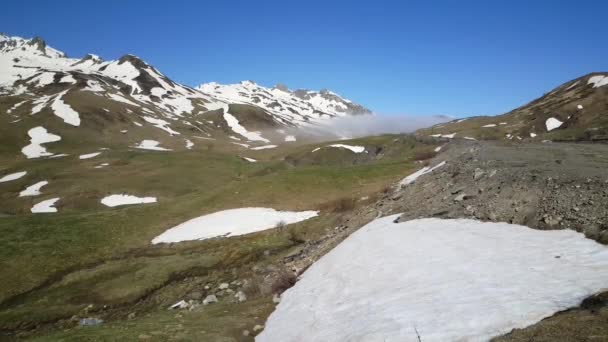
[445, 280]
[231, 222]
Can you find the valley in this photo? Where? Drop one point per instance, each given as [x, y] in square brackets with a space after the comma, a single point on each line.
[133, 207]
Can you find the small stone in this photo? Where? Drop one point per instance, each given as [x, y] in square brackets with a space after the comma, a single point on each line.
[131, 315]
[276, 298]
[245, 332]
[478, 173]
[460, 197]
[223, 286]
[258, 327]
[91, 321]
[210, 299]
[241, 297]
[182, 304]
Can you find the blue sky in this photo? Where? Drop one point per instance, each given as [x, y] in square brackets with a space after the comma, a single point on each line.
[396, 57]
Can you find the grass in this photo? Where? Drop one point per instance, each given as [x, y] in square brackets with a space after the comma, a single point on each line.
[55, 265]
[216, 322]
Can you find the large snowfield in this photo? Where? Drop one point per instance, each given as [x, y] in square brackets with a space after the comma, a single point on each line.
[441, 280]
[231, 222]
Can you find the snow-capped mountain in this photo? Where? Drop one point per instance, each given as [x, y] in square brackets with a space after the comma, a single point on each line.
[28, 67]
[289, 106]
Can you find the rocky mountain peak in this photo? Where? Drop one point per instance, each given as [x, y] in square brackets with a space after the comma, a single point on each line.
[134, 60]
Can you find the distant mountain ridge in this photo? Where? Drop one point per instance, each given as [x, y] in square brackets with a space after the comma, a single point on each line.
[131, 101]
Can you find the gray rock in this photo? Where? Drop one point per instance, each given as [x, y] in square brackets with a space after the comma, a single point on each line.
[182, 304]
[90, 321]
[258, 327]
[223, 286]
[460, 197]
[210, 299]
[478, 173]
[241, 297]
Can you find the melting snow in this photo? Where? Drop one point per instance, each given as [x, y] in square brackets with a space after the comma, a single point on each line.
[124, 199]
[412, 178]
[532, 135]
[150, 145]
[265, 147]
[67, 79]
[552, 123]
[119, 98]
[438, 280]
[598, 81]
[46, 206]
[579, 107]
[231, 222]
[38, 136]
[102, 165]
[290, 138]
[89, 156]
[355, 149]
[64, 111]
[251, 160]
[234, 124]
[162, 124]
[12, 176]
[33, 190]
[15, 106]
[438, 148]
[189, 144]
[489, 125]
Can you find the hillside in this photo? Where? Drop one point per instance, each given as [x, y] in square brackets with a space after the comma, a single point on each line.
[574, 111]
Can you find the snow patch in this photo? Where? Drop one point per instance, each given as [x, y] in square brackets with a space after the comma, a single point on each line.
[489, 125]
[38, 136]
[231, 222]
[598, 81]
[234, 124]
[265, 147]
[12, 176]
[64, 111]
[46, 206]
[290, 138]
[124, 199]
[33, 190]
[89, 155]
[552, 123]
[189, 144]
[412, 178]
[354, 149]
[150, 145]
[441, 280]
[162, 124]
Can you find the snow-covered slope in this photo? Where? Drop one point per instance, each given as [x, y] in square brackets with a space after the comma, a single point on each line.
[438, 280]
[289, 106]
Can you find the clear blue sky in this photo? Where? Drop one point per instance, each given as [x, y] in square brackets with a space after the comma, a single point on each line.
[415, 57]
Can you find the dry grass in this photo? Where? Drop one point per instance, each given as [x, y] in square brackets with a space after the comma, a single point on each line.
[424, 155]
[284, 280]
[339, 205]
